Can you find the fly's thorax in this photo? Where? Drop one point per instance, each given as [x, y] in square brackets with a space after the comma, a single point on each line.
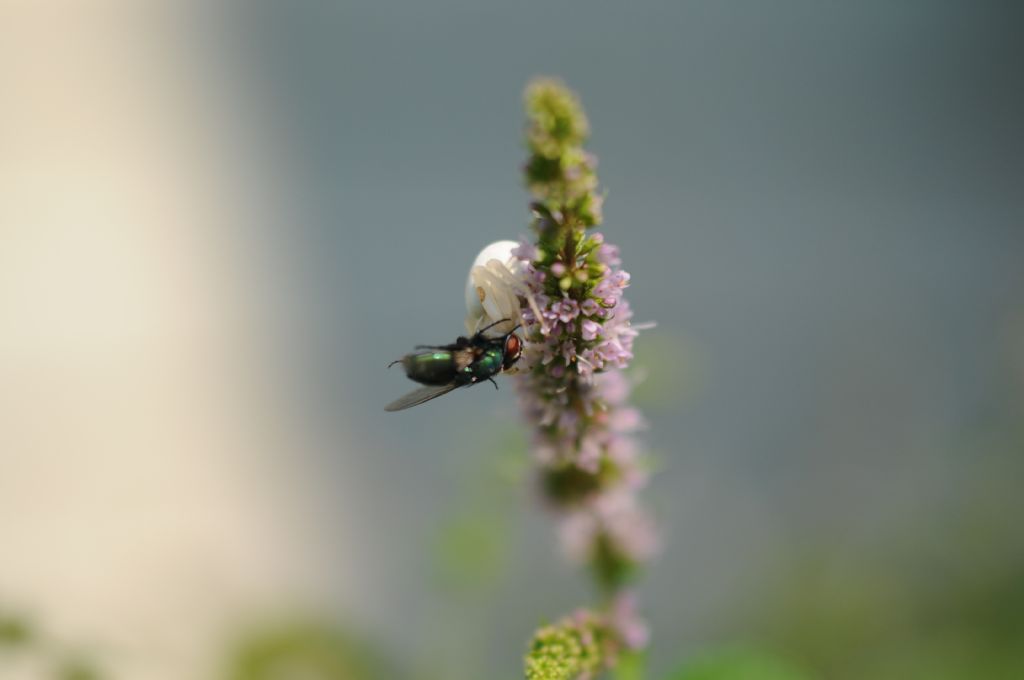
[430, 368]
[488, 364]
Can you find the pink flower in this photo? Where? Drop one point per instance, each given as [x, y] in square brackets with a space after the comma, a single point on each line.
[589, 329]
[589, 456]
[566, 310]
[626, 420]
[632, 629]
[609, 255]
[525, 251]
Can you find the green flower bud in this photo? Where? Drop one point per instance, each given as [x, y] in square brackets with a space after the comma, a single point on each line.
[556, 119]
[564, 651]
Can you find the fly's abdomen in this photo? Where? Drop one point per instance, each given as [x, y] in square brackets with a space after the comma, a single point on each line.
[430, 368]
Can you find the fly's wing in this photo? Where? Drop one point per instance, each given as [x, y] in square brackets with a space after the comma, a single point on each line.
[417, 397]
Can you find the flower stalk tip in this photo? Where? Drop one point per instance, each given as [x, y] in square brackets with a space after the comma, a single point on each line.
[560, 174]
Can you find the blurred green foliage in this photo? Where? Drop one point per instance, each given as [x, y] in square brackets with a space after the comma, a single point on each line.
[18, 636]
[15, 631]
[941, 599]
[858, 622]
[304, 649]
[737, 664]
[631, 665]
[471, 551]
[77, 669]
[471, 546]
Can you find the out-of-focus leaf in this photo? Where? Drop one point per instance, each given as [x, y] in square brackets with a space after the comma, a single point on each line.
[78, 669]
[737, 664]
[14, 631]
[310, 651]
[470, 552]
[630, 666]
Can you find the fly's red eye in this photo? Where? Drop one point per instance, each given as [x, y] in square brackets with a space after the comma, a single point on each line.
[513, 348]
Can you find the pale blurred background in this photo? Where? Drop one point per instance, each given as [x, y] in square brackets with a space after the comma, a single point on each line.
[220, 221]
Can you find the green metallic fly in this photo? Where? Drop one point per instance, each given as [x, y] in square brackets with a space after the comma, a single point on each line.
[465, 362]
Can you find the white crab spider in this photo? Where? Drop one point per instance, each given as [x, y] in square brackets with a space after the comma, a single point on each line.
[494, 288]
